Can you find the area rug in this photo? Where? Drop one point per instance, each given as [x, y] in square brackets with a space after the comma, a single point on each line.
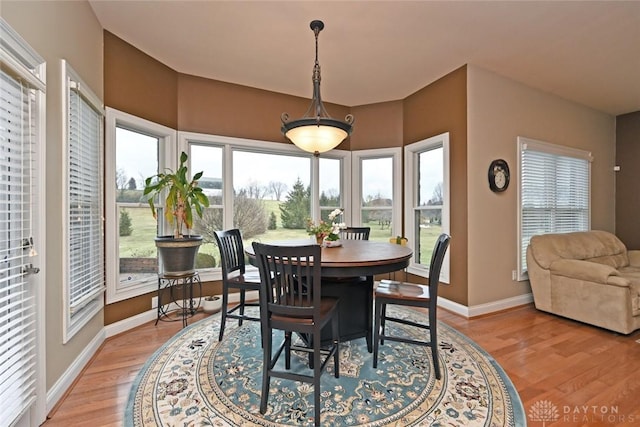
[193, 380]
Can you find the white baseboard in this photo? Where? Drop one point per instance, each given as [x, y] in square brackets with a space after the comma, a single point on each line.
[130, 322]
[57, 391]
[487, 308]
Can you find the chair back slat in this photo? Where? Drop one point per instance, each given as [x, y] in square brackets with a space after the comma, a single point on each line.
[231, 251]
[355, 233]
[294, 285]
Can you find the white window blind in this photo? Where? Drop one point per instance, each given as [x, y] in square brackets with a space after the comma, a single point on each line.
[19, 103]
[554, 191]
[85, 256]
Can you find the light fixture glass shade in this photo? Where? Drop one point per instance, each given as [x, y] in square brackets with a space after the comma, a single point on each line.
[316, 138]
[316, 132]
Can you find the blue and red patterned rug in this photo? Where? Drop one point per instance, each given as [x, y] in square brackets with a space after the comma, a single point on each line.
[193, 380]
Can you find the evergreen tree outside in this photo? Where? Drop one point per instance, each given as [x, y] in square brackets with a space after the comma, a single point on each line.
[295, 210]
[131, 185]
[125, 224]
[272, 221]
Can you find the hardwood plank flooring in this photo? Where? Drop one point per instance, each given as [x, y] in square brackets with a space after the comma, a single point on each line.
[591, 376]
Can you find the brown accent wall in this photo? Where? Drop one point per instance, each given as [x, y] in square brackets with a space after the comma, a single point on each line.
[377, 125]
[136, 83]
[220, 108]
[133, 306]
[442, 107]
[628, 179]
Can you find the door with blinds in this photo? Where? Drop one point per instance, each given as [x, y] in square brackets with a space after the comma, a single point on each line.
[22, 399]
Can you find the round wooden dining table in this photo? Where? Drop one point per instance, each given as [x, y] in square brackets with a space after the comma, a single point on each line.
[348, 273]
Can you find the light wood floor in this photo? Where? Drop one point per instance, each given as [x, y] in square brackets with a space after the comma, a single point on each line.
[582, 370]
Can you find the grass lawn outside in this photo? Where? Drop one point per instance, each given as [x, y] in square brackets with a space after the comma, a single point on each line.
[140, 244]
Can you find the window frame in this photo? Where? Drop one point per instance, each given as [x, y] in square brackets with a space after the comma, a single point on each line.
[229, 144]
[412, 151]
[74, 322]
[167, 158]
[523, 144]
[356, 193]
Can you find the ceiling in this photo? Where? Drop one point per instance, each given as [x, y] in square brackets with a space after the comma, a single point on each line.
[375, 51]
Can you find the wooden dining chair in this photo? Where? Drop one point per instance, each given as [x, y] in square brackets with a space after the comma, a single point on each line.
[415, 295]
[235, 276]
[288, 306]
[355, 233]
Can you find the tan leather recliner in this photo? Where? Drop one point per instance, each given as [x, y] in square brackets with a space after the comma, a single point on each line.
[588, 276]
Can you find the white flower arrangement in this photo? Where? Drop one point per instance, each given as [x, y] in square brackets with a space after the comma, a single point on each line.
[335, 226]
[327, 231]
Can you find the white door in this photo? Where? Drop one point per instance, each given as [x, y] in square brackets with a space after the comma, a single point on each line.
[22, 390]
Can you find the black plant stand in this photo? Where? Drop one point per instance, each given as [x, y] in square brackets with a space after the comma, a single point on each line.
[175, 297]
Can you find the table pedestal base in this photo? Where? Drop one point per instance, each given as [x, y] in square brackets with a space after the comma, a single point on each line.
[355, 309]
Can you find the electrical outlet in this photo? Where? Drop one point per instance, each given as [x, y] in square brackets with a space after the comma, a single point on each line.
[154, 302]
[514, 275]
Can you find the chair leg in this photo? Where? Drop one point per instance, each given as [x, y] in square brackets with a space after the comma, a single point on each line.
[287, 350]
[241, 307]
[335, 325]
[434, 344]
[376, 332]
[317, 366]
[383, 319]
[267, 343]
[225, 302]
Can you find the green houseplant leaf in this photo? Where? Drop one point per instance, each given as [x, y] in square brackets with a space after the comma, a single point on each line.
[183, 196]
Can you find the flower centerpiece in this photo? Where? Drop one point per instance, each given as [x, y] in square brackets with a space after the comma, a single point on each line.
[328, 232]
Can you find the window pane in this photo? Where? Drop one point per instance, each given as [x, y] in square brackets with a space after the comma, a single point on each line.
[330, 197]
[136, 159]
[430, 178]
[430, 227]
[377, 197]
[430, 200]
[208, 159]
[271, 195]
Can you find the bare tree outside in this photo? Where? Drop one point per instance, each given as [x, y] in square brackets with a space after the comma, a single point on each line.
[249, 215]
[121, 179]
[277, 189]
[438, 195]
[254, 190]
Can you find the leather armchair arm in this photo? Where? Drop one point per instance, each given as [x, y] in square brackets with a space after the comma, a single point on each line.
[585, 270]
[634, 257]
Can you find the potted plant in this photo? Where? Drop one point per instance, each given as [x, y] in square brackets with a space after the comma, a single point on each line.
[183, 197]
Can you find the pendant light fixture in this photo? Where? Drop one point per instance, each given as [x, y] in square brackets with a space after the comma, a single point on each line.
[316, 132]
